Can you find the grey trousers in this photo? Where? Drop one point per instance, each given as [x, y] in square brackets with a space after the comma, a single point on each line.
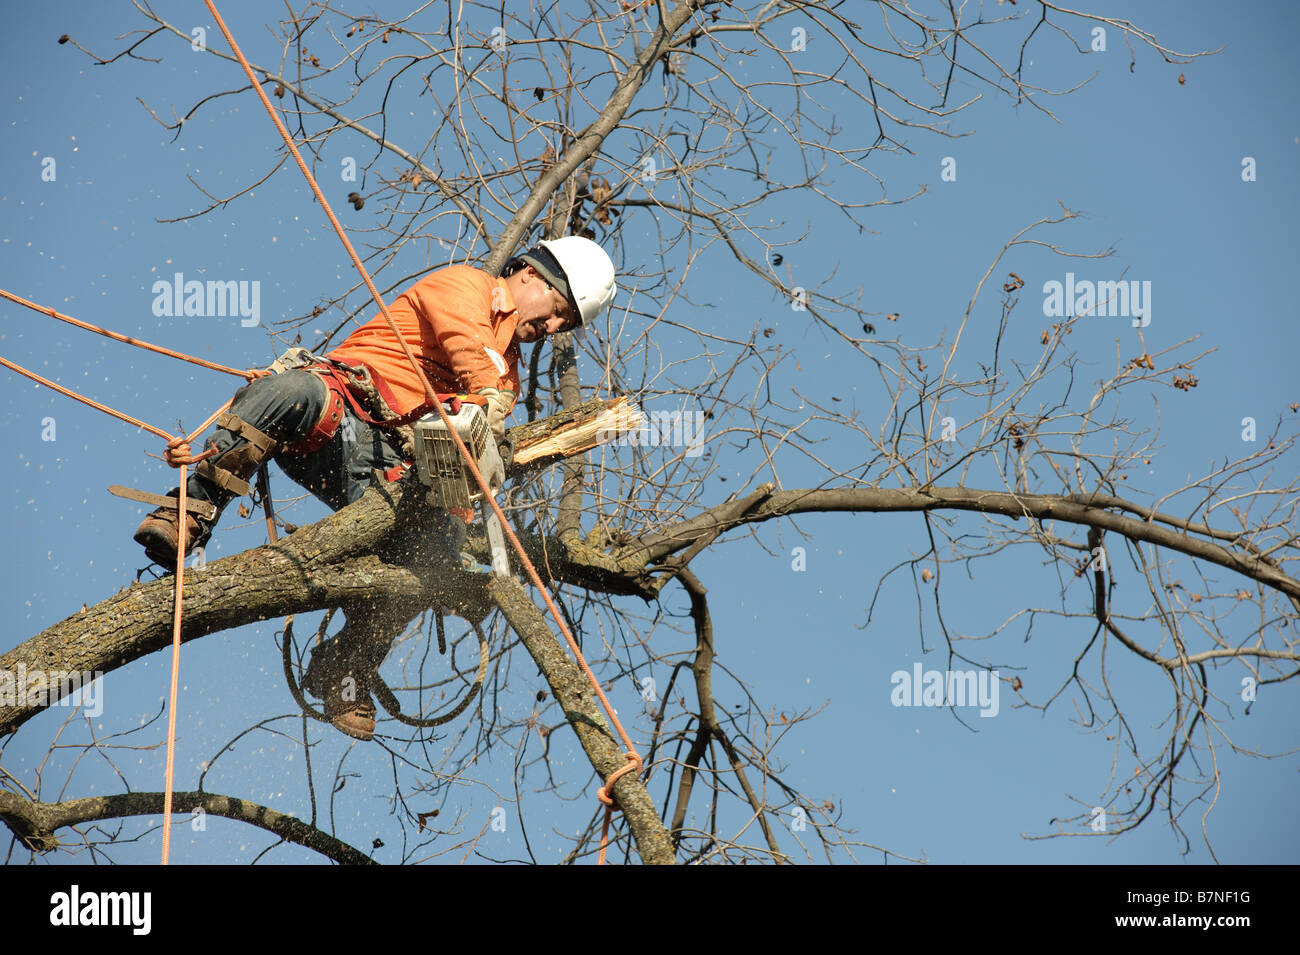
[286, 406]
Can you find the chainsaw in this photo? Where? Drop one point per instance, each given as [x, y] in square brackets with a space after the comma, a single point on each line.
[441, 468]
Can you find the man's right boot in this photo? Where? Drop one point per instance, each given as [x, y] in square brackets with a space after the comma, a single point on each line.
[338, 674]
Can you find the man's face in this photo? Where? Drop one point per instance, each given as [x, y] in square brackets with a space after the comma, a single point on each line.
[542, 310]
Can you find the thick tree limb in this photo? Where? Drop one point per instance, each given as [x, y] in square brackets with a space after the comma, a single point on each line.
[578, 428]
[573, 693]
[1091, 510]
[332, 563]
[36, 823]
[349, 558]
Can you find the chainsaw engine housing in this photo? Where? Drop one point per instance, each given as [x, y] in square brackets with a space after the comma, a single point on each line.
[439, 463]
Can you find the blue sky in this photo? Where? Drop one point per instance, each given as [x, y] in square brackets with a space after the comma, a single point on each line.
[1153, 165]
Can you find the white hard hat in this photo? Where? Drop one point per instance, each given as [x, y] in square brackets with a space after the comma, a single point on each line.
[588, 274]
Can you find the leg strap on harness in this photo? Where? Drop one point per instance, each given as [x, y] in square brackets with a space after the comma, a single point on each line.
[327, 425]
[241, 461]
[260, 440]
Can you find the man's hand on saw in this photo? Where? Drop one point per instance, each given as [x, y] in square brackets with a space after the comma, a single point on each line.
[499, 404]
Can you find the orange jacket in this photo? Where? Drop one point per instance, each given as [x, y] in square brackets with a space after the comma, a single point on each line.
[460, 323]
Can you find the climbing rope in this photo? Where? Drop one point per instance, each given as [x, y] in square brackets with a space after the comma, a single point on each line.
[181, 523]
[249, 373]
[605, 793]
[177, 453]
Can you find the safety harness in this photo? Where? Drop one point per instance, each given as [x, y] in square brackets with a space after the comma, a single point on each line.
[364, 390]
[355, 386]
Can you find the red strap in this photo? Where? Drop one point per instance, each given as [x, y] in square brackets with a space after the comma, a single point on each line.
[385, 392]
[324, 429]
[390, 399]
[338, 389]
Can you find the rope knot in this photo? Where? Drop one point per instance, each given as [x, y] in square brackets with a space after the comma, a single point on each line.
[633, 766]
[177, 453]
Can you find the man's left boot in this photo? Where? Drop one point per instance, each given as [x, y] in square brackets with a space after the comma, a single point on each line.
[218, 481]
[159, 532]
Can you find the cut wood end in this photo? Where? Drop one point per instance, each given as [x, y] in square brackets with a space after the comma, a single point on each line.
[619, 416]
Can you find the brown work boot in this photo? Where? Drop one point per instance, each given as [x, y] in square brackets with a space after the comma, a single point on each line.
[158, 533]
[332, 678]
[355, 719]
[224, 477]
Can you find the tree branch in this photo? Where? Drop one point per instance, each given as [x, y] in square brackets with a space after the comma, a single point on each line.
[1092, 510]
[573, 693]
[35, 823]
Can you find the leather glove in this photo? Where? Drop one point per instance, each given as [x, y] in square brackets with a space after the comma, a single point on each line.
[499, 404]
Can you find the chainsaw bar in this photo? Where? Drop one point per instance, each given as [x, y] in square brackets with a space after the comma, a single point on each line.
[497, 542]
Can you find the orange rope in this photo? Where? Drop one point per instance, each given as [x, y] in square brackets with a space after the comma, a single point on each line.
[178, 455]
[181, 523]
[178, 449]
[634, 760]
[94, 404]
[603, 794]
[45, 310]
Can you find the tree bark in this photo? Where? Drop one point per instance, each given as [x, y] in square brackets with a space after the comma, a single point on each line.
[35, 823]
[572, 691]
[1089, 510]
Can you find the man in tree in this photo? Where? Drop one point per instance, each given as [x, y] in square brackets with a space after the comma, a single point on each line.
[331, 423]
